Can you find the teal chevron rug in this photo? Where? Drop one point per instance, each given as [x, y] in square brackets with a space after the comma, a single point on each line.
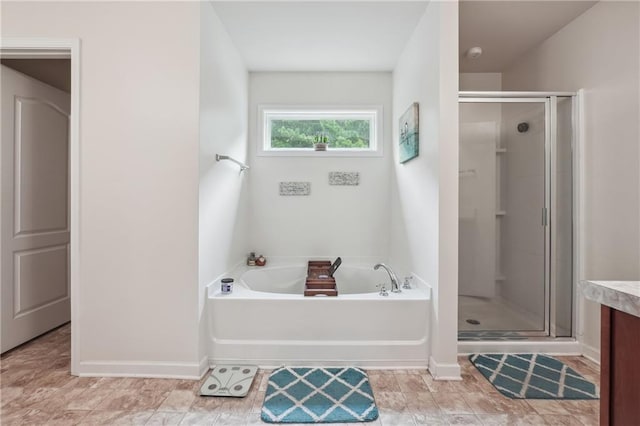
[533, 376]
[319, 395]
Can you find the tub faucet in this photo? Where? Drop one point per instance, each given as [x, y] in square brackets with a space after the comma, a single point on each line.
[394, 280]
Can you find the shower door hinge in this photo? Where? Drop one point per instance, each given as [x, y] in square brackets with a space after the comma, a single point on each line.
[545, 220]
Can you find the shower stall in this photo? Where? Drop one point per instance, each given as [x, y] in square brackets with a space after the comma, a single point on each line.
[516, 215]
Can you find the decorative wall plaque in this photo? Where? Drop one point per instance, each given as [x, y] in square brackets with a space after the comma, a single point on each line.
[295, 188]
[344, 178]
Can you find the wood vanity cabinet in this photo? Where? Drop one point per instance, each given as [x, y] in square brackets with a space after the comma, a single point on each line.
[619, 368]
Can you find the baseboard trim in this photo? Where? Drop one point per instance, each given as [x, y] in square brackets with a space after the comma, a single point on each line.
[442, 371]
[591, 353]
[149, 369]
[204, 366]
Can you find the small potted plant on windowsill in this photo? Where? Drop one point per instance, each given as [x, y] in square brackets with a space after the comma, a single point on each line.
[321, 142]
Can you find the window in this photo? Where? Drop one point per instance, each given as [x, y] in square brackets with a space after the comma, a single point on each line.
[350, 131]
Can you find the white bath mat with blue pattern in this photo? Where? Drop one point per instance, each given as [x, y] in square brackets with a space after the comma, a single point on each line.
[533, 376]
[319, 395]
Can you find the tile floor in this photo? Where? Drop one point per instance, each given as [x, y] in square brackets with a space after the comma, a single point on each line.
[38, 390]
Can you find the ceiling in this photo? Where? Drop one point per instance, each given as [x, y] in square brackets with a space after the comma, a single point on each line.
[320, 35]
[505, 30]
[356, 35]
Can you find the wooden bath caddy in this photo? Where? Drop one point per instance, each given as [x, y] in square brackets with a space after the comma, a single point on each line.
[319, 282]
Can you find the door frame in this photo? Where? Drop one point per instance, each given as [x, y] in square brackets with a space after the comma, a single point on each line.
[62, 48]
[549, 142]
[579, 207]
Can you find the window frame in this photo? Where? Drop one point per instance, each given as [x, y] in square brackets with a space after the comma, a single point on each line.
[267, 113]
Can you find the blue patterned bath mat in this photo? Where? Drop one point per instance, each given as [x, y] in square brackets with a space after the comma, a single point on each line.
[533, 376]
[319, 395]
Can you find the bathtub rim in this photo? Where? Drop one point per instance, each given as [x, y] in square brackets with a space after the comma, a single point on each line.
[420, 289]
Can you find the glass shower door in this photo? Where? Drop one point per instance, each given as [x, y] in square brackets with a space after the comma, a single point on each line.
[503, 232]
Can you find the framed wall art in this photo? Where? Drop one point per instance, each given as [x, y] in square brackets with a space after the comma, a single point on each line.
[409, 134]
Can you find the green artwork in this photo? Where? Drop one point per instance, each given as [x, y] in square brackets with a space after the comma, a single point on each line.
[409, 135]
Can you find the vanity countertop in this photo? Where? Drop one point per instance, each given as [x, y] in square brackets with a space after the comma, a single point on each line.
[621, 295]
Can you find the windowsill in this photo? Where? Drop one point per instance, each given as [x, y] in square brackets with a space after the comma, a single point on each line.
[319, 154]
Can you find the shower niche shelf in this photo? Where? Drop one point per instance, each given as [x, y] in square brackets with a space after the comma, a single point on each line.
[501, 213]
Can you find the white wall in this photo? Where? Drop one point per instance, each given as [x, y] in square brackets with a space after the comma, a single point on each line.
[425, 190]
[480, 81]
[598, 51]
[224, 94]
[138, 176]
[347, 221]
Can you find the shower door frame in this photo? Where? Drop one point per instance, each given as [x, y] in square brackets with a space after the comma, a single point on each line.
[550, 101]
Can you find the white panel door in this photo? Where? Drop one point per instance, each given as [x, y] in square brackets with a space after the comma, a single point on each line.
[34, 228]
[477, 205]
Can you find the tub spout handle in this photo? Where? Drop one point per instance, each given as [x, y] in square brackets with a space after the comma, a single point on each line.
[383, 290]
[407, 283]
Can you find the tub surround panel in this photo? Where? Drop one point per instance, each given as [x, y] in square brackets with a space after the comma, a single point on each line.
[621, 295]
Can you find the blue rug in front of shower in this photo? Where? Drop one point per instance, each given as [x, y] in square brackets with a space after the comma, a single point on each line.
[533, 376]
[319, 395]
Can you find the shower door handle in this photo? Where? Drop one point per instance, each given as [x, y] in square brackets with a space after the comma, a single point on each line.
[545, 221]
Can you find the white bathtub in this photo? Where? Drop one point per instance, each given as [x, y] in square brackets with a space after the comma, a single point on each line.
[267, 321]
